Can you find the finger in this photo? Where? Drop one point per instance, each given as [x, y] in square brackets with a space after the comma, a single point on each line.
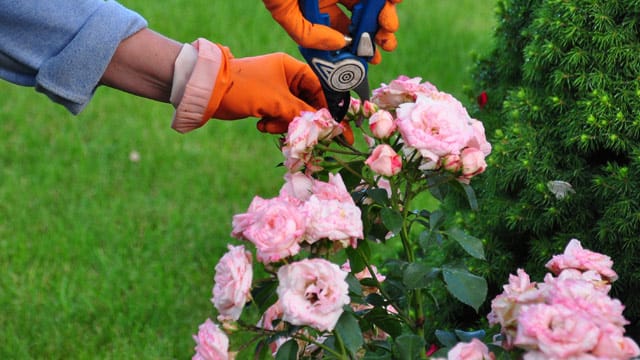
[388, 18]
[377, 58]
[347, 132]
[304, 84]
[272, 126]
[386, 40]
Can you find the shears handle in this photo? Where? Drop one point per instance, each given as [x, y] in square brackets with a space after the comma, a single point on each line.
[343, 70]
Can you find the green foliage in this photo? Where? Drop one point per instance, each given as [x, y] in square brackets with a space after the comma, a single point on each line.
[564, 107]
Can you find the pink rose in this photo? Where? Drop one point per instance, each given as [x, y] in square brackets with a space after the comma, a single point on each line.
[435, 125]
[472, 163]
[555, 330]
[382, 124]
[479, 140]
[211, 342]
[333, 189]
[384, 161]
[354, 107]
[274, 226]
[312, 293]
[304, 132]
[273, 313]
[474, 350]
[297, 185]
[451, 163]
[575, 257]
[614, 345]
[232, 283]
[401, 90]
[334, 220]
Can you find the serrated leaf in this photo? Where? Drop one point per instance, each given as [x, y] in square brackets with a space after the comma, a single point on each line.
[418, 276]
[288, 351]
[356, 261]
[471, 196]
[376, 300]
[379, 196]
[409, 346]
[349, 331]
[392, 220]
[436, 219]
[264, 294]
[472, 245]
[470, 289]
[385, 321]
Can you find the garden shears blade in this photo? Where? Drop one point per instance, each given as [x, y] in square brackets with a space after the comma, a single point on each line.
[344, 70]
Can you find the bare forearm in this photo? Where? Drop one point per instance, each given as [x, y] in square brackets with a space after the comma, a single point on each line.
[143, 65]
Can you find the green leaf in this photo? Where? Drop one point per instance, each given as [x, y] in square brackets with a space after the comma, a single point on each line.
[349, 332]
[471, 196]
[472, 245]
[446, 338]
[376, 300]
[288, 351]
[355, 289]
[467, 336]
[418, 276]
[264, 294]
[436, 219]
[392, 219]
[350, 179]
[385, 321]
[356, 261]
[409, 346]
[465, 286]
[438, 185]
[379, 196]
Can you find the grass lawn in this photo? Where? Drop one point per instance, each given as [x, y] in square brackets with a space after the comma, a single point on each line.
[102, 257]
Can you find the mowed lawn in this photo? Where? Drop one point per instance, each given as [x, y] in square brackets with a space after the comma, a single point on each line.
[111, 223]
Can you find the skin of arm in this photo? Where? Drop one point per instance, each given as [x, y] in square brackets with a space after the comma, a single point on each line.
[143, 65]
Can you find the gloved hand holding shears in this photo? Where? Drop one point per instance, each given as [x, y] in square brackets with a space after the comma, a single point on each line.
[289, 14]
[337, 47]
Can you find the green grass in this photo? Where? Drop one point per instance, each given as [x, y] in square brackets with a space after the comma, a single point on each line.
[105, 258]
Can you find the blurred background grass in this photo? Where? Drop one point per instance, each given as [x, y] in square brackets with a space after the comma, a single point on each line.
[102, 257]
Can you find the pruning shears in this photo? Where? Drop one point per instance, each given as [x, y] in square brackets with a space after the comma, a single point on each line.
[344, 70]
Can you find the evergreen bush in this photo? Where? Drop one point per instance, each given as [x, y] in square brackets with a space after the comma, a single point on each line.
[563, 115]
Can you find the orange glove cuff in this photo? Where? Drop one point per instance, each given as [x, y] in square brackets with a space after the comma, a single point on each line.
[209, 81]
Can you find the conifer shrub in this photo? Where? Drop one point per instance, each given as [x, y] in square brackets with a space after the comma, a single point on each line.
[563, 116]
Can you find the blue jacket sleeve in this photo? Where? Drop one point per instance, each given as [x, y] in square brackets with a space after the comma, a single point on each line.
[62, 47]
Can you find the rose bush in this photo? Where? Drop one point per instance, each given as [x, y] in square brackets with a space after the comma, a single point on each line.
[372, 207]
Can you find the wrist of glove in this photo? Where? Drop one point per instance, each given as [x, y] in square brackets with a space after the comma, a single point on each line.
[210, 83]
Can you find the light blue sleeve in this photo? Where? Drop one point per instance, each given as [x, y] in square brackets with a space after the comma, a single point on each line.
[62, 47]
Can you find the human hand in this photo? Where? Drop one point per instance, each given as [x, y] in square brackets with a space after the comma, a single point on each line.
[315, 36]
[275, 88]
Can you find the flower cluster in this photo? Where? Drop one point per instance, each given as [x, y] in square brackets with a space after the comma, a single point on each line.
[314, 306]
[568, 316]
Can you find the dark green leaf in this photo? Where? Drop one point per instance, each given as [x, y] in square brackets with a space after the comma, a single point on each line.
[471, 196]
[350, 179]
[369, 282]
[409, 346]
[466, 287]
[379, 196]
[436, 219]
[438, 185]
[467, 336]
[385, 321]
[418, 276]
[446, 338]
[288, 351]
[376, 300]
[472, 245]
[356, 261]
[264, 294]
[355, 290]
[349, 332]
[392, 219]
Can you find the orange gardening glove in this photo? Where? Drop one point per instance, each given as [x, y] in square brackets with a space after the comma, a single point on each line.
[275, 88]
[315, 36]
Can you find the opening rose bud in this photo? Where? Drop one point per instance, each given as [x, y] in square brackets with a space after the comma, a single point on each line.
[384, 161]
[382, 124]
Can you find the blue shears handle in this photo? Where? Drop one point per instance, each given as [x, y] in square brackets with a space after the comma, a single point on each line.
[343, 70]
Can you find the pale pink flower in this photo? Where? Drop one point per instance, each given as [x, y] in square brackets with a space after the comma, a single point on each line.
[575, 257]
[298, 186]
[591, 276]
[555, 330]
[612, 344]
[435, 126]
[312, 293]
[233, 277]
[506, 307]
[333, 189]
[211, 342]
[273, 313]
[401, 90]
[333, 220]
[479, 139]
[382, 124]
[355, 105]
[451, 163]
[274, 226]
[305, 132]
[472, 163]
[473, 350]
[384, 161]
